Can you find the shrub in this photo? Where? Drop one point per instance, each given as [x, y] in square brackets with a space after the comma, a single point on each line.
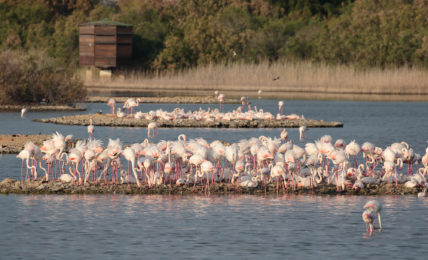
[33, 78]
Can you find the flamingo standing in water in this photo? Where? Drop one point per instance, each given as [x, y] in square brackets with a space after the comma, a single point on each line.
[220, 99]
[280, 106]
[302, 133]
[91, 130]
[375, 207]
[284, 135]
[154, 127]
[368, 218]
[130, 103]
[112, 104]
[259, 93]
[23, 112]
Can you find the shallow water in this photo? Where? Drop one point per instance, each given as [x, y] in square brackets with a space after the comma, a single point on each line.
[243, 227]
[194, 227]
[381, 123]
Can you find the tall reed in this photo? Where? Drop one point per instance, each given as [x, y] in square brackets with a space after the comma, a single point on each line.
[284, 77]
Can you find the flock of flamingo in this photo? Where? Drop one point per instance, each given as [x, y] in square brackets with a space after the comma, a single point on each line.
[249, 163]
[244, 112]
[253, 162]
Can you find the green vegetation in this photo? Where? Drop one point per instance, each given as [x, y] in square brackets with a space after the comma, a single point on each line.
[34, 78]
[181, 34]
[173, 35]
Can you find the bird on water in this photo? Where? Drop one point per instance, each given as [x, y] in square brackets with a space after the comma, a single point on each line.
[372, 208]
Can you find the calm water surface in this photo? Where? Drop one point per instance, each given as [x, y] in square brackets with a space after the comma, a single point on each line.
[242, 227]
[194, 227]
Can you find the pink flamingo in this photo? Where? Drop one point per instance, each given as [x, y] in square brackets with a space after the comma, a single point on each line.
[91, 129]
[302, 133]
[130, 155]
[375, 207]
[26, 155]
[24, 112]
[112, 104]
[284, 135]
[353, 149]
[368, 218]
[154, 127]
[75, 156]
[221, 101]
[280, 106]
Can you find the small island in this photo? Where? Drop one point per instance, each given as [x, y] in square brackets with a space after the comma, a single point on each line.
[40, 186]
[108, 120]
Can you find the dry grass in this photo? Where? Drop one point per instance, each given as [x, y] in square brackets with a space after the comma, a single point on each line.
[301, 77]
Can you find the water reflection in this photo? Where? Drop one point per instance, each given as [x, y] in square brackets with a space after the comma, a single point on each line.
[196, 226]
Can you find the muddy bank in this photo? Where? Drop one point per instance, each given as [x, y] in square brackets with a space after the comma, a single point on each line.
[12, 144]
[52, 187]
[108, 120]
[18, 108]
[166, 99]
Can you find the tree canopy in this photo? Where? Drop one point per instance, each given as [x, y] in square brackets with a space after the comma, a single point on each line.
[174, 34]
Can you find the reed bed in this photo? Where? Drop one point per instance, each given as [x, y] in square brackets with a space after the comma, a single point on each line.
[294, 77]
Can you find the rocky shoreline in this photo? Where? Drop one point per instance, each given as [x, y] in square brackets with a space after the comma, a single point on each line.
[108, 120]
[12, 186]
[17, 108]
[166, 99]
[14, 143]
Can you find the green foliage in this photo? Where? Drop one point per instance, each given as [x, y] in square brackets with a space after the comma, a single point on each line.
[173, 35]
[29, 78]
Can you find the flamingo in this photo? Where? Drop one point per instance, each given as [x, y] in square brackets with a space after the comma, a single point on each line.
[25, 154]
[368, 218]
[353, 149]
[129, 155]
[75, 156]
[284, 135]
[375, 207]
[66, 178]
[91, 129]
[130, 103]
[154, 127]
[220, 99]
[259, 93]
[302, 133]
[120, 113]
[280, 106]
[339, 144]
[24, 112]
[112, 104]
